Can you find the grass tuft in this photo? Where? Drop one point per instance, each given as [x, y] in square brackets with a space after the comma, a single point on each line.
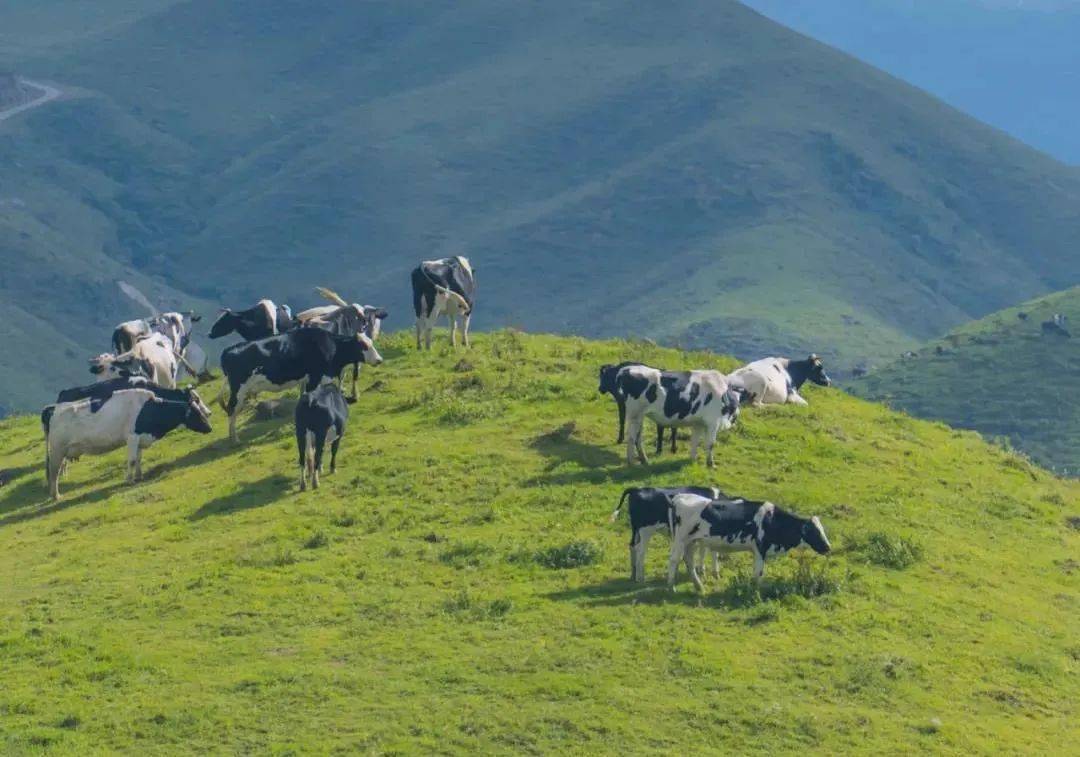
[888, 550]
[576, 554]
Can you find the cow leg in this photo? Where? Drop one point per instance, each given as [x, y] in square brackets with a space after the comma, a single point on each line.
[333, 454]
[710, 441]
[631, 433]
[635, 538]
[301, 449]
[695, 439]
[355, 375]
[638, 551]
[659, 440]
[759, 567]
[674, 436]
[132, 457]
[716, 565]
[796, 399]
[453, 328]
[638, 446]
[54, 463]
[417, 333]
[465, 321]
[320, 445]
[622, 420]
[674, 559]
[690, 556]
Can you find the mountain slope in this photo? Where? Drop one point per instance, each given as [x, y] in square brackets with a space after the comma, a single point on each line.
[417, 603]
[697, 174]
[1001, 376]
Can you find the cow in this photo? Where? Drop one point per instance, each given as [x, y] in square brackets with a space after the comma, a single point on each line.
[173, 325]
[724, 525]
[321, 415]
[156, 354]
[102, 390]
[443, 286]
[648, 509]
[263, 320]
[776, 380]
[304, 355]
[607, 386]
[344, 318]
[1055, 326]
[702, 400]
[132, 417]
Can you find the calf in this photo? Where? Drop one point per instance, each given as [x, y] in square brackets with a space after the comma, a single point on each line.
[263, 320]
[608, 374]
[701, 400]
[134, 417]
[157, 353]
[445, 286]
[724, 525]
[304, 355]
[320, 418]
[648, 508]
[777, 380]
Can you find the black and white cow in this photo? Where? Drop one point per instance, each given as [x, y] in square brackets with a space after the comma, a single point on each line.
[263, 320]
[723, 525]
[345, 320]
[777, 380]
[608, 374]
[132, 417]
[648, 509]
[153, 355]
[443, 286]
[321, 415]
[701, 400]
[102, 390]
[304, 355]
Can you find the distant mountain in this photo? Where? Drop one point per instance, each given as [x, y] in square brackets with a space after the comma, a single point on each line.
[693, 173]
[1012, 63]
[1005, 376]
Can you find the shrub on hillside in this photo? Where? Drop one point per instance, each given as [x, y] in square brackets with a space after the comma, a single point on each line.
[576, 554]
[888, 550]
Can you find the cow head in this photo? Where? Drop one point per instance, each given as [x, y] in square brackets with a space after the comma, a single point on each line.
[357, 348]
[197, 417]
[225, 324]
[813, 536]
[193, 398]
[729, 412]
[373, 318]
[608, 373]
[816, 372]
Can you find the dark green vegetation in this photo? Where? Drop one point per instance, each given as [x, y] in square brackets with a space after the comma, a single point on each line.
[690, 172]
[1001, 376]
[457, 585]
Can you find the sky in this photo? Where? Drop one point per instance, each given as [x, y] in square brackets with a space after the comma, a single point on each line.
[1014, 64]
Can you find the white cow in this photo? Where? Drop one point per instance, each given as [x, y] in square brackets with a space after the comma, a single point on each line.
[135, 417]
[156, 351]
[777, 380]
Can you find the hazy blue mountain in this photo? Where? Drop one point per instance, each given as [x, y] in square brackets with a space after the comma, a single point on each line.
[1012, 63]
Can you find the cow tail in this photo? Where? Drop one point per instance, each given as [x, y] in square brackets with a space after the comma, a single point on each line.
[622, 499]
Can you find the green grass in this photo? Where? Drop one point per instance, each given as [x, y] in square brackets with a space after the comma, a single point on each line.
[1000, 376]
[457, 587]
[696, 174]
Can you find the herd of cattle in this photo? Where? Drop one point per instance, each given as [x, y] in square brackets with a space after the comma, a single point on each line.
[135, 403]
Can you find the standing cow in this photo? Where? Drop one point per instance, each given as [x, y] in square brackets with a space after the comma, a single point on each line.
[344, 319]
[443, 286]
[777, 380]
[133, 417]
[608, 374]
[737, 525]
[263, 320]
[153, 354]
[702, 400]
[321, 415]
[304, 355]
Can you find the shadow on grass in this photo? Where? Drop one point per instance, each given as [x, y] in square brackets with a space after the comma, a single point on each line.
[33, 491]
[251, 495]
[642, 475]
[221, 448]
[561, 447]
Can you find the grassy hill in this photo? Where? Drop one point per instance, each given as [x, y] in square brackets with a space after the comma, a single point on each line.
[457, 585]
[694, 173]
[1000, 376]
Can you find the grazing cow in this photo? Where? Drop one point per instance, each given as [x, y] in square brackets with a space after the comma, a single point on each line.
[608, 374]
[321, 415]
[280, 362]
[443, 286]
[345, 319]
[263, 320]
[648, 508]
[156, 353]
[776, 380]
[723, 525]
[134, 417]
[176, 326]
[702, 400]
[1056, 326]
